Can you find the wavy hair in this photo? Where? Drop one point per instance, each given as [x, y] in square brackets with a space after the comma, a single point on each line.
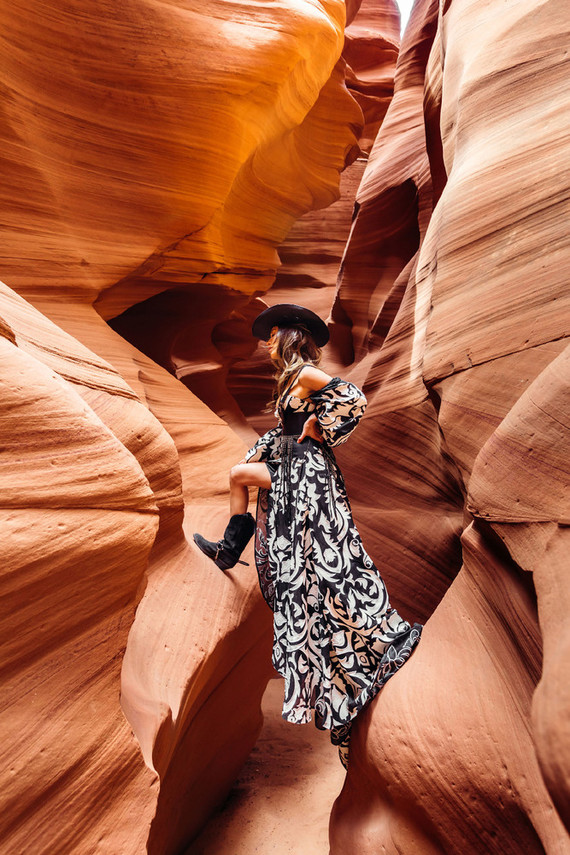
[295, 347]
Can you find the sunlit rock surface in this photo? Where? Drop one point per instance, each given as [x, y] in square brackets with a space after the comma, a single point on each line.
[310, 255]
[156, 156]
[466, 749]
[169, 143]
[147, 147]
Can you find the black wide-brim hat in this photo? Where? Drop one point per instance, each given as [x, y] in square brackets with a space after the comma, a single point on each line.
[285, 315]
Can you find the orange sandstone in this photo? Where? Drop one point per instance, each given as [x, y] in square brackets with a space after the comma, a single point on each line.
[146, 147]
[465, 750]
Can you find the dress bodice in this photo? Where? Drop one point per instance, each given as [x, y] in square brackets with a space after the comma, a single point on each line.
[294, 414]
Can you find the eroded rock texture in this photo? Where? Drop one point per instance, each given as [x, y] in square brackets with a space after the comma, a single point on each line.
[156, 156]
[466, 749]
[94, 489]
[147, 147]
[184, 123]
[310, 255]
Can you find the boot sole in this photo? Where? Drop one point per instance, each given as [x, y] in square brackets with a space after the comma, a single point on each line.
[209, 550]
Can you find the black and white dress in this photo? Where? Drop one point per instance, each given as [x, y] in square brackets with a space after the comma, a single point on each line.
[336, 638]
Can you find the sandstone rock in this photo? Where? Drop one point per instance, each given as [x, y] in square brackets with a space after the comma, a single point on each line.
[371, 42]
[444, 761]
[163, 145]
[209, 353]
[465, 750]
[398, 456]
[531, 516]
[311, 253]
[393, 202]
[116, 474]
[146, 147]
[78, 519]
[156, 157]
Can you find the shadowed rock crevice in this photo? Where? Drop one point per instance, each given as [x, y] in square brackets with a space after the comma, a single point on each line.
[197, 333]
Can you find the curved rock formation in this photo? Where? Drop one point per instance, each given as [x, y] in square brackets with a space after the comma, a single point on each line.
[79, 518]
[531, 517]
[156, 156]
[466, 749]
[311, 253]
[147, 147]
[93, 481]
[156, 152]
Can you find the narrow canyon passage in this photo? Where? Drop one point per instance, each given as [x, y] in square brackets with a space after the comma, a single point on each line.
[172, 169]
[281, 802]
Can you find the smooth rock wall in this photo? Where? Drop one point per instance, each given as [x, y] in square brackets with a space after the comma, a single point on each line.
[148, 147]
[79, 517]
[312, 251]
[95, 490]
[168, 143]
[202, 331]
[465, 750]
[404, 487]
[156, 157]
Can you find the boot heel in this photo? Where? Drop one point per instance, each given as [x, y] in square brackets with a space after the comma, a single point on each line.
[225, 553]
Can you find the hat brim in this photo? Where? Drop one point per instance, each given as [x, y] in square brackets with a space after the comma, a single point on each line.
[286, 315]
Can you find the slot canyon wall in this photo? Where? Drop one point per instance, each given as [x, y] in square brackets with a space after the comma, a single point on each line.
[159, 158]
[465, 344]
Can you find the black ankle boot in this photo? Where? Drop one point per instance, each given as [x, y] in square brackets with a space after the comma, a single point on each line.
[226, 552]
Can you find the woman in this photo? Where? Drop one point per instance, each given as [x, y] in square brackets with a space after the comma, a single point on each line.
[336, 638]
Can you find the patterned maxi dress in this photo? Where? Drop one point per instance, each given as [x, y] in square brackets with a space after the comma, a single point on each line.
[336, 638]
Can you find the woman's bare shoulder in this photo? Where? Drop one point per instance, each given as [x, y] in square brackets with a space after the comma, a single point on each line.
[312, 378]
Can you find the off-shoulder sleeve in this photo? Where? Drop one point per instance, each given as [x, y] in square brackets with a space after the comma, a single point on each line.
[267, 446]
[339, 406]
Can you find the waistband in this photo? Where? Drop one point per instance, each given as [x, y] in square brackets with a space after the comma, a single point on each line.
[291, 448]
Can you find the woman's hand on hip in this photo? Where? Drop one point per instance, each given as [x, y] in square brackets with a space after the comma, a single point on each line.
[311, 429]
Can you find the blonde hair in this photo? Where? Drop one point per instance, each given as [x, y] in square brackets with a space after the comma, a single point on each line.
[295, 347]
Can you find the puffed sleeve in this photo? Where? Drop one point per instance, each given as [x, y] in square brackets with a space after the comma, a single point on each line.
[339, 406]
[267, 447]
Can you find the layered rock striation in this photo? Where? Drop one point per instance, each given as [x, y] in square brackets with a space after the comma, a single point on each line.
[156, 157]
[190, 145]
[147, 147]
[464, 750]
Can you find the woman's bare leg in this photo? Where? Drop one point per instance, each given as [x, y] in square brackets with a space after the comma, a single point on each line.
[242, 476]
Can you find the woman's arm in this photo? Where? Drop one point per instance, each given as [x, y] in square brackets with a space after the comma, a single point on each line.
[339, 406]
[311, 379]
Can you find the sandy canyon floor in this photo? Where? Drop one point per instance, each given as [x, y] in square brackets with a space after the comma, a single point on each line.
[281, 802]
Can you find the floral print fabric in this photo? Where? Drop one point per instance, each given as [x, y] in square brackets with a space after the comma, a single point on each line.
[336, 638]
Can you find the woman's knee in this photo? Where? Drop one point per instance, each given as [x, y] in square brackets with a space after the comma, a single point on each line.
[250, 475]
[238, 474]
